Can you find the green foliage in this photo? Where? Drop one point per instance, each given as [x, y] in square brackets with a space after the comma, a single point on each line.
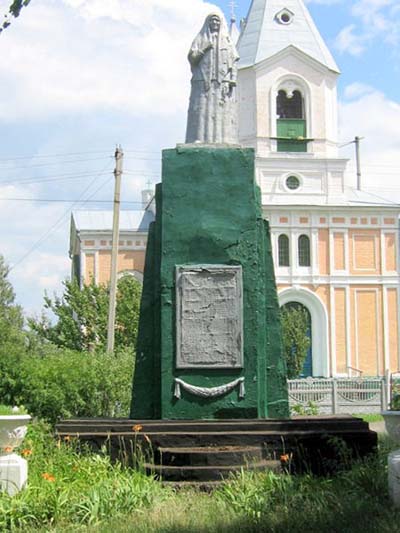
[395, 392]
[70, 487]
[369, 417]
[310, 409]
[295, 323]
[82, 315]
[348, 502]
[11, 317]
[56, 383]
[7, 410]
[14, 10]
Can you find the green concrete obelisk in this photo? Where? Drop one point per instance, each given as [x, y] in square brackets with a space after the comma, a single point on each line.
[209, 344]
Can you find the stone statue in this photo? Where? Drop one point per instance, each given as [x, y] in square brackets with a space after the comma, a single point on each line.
[213, 57]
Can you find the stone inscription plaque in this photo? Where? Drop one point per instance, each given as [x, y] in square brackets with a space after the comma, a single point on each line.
[209, 301]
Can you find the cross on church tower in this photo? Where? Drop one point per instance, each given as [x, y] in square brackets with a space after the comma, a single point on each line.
[233, 5]
[233, 31]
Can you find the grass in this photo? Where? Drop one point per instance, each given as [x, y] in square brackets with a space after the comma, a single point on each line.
[82, 492]
[72, 488]
[374, 417]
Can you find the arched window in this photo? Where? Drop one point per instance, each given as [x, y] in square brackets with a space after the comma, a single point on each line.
[291, 122]
[283, 251]
[304, 251]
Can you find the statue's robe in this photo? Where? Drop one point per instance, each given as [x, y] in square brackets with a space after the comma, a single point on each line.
[212, 116]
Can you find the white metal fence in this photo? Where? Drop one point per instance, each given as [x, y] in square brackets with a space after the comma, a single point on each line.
[339, 395]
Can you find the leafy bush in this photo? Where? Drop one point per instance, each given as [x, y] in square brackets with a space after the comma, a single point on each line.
[55, 383]
[296, 341]
[82, 315]
[395, 392]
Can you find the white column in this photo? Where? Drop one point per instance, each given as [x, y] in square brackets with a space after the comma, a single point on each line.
[314, 252]
[348, 329]
[96, 267]
[333, 369]
[386, 343]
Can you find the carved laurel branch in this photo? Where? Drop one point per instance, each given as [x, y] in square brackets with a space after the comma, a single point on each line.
[209, 392]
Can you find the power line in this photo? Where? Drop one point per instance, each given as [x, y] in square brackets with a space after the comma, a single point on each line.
[67, 154]
[42, 239]
[69, 175]
[65, 162]
[45, 156]
[57, 200]
[29, 181]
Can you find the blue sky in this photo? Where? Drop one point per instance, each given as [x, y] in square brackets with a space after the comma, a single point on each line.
[79, 76]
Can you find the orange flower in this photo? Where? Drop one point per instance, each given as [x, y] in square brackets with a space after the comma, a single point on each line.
[8, 449]
[48, 477]
[285, 458]
[26, 452]
[137, 427]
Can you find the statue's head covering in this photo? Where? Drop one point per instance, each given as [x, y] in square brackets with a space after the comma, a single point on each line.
[225, 44]
[205, 30]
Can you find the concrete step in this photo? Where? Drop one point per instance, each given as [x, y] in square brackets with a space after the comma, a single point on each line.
[206, 473]
[209, 455]
[271, 439]
[199, 426]
[201, 486]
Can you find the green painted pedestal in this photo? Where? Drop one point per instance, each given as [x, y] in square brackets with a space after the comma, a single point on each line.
[209, 213]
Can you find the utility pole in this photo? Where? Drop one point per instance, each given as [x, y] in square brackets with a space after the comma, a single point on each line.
[119, 157]
[358, 161]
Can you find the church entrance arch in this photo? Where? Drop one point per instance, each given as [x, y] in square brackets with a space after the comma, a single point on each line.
[318, 327]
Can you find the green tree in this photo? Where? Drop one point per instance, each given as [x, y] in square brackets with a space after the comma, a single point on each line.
[14, 10]
[11, 317]
[82, 315]
[296, 342]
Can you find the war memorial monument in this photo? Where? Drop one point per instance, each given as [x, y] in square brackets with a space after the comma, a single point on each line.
[209, 336]
[209, 389]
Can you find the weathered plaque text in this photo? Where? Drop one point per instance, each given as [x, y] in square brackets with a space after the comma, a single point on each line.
[209, 316]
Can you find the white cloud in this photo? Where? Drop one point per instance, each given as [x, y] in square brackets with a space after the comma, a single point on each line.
[356, 90]
[98, 48]
[373, 20]
[348, 41]
[376, 118]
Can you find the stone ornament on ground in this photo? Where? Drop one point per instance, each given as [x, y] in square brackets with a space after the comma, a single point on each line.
[13, 468]
[392, 423]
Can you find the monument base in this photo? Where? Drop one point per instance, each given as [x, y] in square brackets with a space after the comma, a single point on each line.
[201, 451]
[209, 342]
[13, 473]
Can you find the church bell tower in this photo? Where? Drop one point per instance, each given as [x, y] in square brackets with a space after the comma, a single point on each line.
[288, 104]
